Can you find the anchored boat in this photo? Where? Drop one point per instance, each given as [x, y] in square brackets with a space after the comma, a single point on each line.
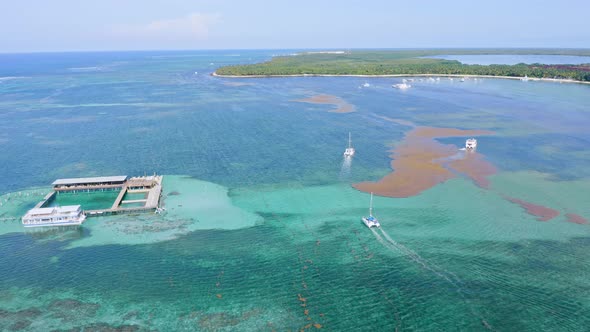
[54, 216]
[402, 86]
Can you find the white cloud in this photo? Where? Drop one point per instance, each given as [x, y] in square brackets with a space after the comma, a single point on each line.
[183, 30]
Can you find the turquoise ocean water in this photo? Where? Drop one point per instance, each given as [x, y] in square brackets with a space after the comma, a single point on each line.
[262, 229]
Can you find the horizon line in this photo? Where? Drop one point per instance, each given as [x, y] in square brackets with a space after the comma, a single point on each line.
[299, 49]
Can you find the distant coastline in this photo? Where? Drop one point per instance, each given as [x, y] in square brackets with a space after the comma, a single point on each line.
[408, 63]
[556, 80]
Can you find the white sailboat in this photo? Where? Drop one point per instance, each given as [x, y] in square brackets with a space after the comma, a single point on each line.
[371, 221]
[349, 152]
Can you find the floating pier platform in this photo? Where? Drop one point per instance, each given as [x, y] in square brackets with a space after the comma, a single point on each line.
[150, 186]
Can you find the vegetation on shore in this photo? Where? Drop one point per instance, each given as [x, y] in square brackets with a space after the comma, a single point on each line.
[408, 62]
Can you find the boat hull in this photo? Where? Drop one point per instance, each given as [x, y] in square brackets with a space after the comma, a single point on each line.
[53, 224]
[370, 222]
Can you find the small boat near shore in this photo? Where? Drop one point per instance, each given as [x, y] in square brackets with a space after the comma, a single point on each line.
[402, 86]
[371, 221]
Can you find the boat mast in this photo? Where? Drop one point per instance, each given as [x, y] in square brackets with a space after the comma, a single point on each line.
[371, 206]
[349, 141]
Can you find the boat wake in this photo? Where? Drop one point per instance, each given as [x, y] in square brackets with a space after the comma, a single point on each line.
[393, 245]
[450, 277]
[345, 169]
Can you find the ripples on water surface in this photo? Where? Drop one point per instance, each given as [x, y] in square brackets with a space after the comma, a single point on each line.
[263, 230]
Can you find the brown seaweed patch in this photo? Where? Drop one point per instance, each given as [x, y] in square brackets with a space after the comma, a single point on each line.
[237, 83]
[542, 213]
[435, 132]
[341, 105]
[420, 162]
[576, 218]
[317, 325]
[475, 167]
[398, 121]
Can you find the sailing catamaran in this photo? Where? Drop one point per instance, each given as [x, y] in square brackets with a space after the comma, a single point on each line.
[349, 152]
[371, 221]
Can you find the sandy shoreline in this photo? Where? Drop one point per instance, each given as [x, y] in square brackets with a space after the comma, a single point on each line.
[555, 80]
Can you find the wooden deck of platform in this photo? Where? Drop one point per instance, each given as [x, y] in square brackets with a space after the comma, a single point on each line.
[88, 188]
[150, 185]
[45, 200]
[151, 201]
[119, 198]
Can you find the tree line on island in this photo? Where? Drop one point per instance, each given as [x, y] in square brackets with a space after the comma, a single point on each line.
[398, 63]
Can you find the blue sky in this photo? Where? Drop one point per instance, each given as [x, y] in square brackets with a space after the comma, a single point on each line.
[79, 25]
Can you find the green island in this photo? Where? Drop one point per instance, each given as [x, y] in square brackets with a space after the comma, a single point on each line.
[408, 63]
